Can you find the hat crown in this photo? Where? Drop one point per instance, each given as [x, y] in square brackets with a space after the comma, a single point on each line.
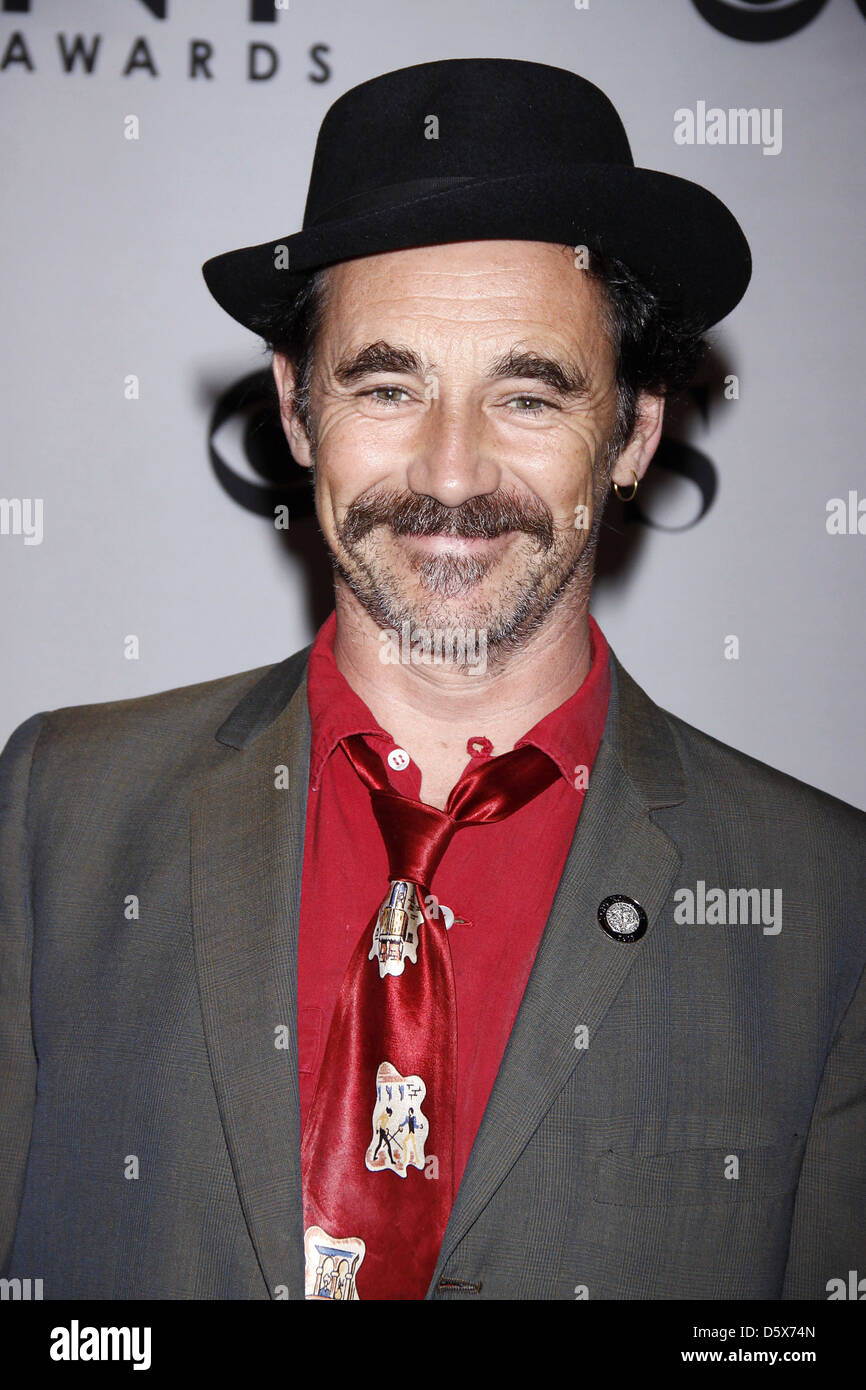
[495, 116]
[519, 151]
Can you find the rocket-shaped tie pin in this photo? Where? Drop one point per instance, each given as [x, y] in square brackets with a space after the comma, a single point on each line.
[395, 935]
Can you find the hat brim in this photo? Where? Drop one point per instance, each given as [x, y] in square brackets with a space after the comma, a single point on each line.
[674, 234]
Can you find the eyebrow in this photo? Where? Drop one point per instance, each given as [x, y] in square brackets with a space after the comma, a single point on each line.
[564, 377]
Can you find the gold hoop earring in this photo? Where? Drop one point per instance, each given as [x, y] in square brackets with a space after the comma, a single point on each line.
[620, 495]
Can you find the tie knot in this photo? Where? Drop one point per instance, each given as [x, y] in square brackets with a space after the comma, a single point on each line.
[416, 835]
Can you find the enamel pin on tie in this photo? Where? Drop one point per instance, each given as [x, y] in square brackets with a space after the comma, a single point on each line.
[395, 935]
[331, 1264]
[400, 1126]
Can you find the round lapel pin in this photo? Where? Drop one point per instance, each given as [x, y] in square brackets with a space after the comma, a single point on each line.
[622, 918]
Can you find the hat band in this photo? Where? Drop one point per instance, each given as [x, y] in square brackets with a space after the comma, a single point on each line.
[391, 195]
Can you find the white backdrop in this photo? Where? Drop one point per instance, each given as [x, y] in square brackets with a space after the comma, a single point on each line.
[103, 240]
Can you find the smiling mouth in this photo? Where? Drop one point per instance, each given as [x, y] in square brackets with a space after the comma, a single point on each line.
[464, 545]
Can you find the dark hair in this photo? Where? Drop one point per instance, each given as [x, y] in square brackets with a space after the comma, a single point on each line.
[291, 326]
[656, 349]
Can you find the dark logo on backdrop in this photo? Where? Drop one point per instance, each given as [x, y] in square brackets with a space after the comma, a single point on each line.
[677, 459]
[682, 460]
[257, 470]
[262, 451]
[760, 21]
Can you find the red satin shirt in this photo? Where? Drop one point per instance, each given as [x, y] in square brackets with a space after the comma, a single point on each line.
[500, 878]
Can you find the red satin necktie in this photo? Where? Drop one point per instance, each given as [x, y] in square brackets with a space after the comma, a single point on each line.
[378, 1147]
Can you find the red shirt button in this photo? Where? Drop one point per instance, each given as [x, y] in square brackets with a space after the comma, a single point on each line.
[479, 747]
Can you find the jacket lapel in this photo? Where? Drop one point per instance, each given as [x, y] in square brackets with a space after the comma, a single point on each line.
[579, 970]
[247, 840]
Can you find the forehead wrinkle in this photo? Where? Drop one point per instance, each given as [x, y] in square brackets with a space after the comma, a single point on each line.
[483, 303]
[442, 311]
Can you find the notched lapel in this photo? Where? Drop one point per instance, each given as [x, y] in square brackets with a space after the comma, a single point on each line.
[579, 970]
[247, 840]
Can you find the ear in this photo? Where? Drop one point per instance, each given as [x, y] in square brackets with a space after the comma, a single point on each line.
[635, 458]
[299, 442]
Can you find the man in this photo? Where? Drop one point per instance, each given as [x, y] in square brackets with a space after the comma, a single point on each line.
[410, 1124]
[613, 966]
[384, 1136]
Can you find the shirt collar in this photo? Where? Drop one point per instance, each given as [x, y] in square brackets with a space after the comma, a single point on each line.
[569, 734]
[335, 710]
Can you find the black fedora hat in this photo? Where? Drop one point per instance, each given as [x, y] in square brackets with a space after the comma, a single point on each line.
[471, 149]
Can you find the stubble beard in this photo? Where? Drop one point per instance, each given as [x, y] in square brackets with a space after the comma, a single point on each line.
[452, 591]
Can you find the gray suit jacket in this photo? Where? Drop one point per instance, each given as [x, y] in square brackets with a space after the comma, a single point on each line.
[682, 1116]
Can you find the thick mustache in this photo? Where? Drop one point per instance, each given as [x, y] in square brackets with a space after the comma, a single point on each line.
[417, 514]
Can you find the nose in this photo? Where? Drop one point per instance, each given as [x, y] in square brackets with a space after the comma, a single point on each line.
[450, 459]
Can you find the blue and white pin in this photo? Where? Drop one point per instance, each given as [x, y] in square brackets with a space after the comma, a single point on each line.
[331, 1265]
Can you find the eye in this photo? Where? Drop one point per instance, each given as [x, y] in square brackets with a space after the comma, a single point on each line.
[535, 402]
[392, 390]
